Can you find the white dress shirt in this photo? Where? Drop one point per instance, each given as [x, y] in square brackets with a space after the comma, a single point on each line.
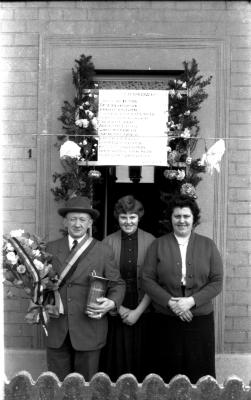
[71, 240]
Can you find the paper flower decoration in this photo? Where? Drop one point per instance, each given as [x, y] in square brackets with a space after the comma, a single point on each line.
[211, 159]
[70, 149]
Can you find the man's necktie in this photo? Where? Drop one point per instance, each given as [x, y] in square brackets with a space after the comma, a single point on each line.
[75, 242]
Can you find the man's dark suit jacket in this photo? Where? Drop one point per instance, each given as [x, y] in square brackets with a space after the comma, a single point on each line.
[86, 333]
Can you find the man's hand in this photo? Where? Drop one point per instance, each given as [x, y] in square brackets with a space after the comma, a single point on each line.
[101, 308]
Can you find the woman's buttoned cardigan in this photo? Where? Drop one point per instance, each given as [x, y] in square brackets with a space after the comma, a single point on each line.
[161, 272]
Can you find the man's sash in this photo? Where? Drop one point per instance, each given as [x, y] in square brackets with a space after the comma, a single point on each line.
[69, 266]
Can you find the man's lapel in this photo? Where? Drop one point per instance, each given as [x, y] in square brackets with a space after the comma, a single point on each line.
[63, 251]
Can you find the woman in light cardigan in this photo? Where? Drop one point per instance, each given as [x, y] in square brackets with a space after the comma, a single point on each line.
[127, 341]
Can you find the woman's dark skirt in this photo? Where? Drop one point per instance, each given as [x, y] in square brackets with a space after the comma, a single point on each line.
[127, 348]
[186, 348]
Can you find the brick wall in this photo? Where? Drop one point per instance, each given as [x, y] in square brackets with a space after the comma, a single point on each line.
[22, 24]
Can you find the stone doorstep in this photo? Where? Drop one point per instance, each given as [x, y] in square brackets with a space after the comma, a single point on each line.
[34, 361]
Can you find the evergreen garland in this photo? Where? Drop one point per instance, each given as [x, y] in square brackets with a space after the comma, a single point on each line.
[79, 121]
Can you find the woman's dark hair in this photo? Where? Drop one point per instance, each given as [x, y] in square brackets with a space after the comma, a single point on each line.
[182, 201]
[128, 204]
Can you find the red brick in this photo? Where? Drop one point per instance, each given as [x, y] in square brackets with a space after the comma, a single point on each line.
[238, 155]
[239, 245]
[25, 140]
[10, 203]
[19, 115]
[27, 13]
[24, 216]
[236, 311]
[23, 191]
[238, 181]
[30, 178]
[242, 298]
[229, 323]
[14, 317]
[239, 207]
[238, 233]
[242, 323]
[51, 14]
[240, 79]
[240, 130]
[238, 117]
[240, 105]
[6, 14]
[240, 92]
[241, 54]
[20, 165]
[13, 26]
[241, 347]
[7, 39]
[236, 284]
[10, 153]
[235, 336]
[14, 4]
[12, 177]
[237, 259]
[242, 271]
[18, 341]
[80, 14]
[243, 220]
[238, 29]
[15, 64]
[56, 4]
[29, 39]
[22, 52]
[13, 329]
[29, 204]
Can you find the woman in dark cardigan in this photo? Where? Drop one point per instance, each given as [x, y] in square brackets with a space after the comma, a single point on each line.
[125, 351]
[182, 273]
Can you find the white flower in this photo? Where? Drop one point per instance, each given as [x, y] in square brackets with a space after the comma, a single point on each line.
[70, 149]
[36, 253]
[180, 175]
[168, 149]
[17, 233]
[38, 264]
[12, 257]
[187, 112]
[94, 122]
[30, 242]
[172, 92]
[186, 133]
[184, 85]
[89, 113]
[21, 269]
[9, 247]
[82, 123]
[179, 95]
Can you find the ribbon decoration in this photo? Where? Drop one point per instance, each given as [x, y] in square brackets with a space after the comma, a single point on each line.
[212, 157]
[38, 311]
[68, 268]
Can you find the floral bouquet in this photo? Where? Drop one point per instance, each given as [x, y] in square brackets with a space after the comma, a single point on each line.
[27, 265]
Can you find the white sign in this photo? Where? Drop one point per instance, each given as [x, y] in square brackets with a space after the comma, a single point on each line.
[132, 127]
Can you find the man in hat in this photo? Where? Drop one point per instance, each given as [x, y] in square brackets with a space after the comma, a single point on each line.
[77, 334]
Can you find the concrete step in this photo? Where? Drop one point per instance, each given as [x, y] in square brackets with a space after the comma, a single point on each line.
[34, 361]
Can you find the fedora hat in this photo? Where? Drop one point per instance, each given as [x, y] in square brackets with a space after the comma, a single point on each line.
[79, 205]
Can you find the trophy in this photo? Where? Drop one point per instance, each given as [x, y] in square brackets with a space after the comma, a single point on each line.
[97, 289]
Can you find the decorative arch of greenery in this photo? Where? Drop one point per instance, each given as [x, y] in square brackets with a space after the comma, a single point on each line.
[80, 120]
